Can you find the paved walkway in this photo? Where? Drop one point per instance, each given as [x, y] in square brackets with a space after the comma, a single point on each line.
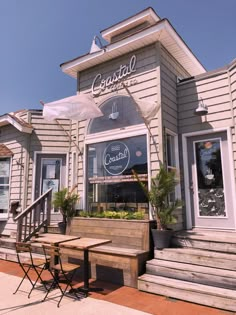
[114, 300]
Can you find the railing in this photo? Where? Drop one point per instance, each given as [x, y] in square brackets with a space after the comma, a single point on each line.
[35, 217]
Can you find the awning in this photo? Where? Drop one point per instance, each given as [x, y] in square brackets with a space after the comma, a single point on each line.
[77, 107]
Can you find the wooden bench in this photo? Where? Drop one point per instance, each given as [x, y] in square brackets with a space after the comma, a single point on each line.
[124, 259]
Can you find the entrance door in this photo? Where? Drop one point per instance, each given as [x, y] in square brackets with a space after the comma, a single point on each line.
[50, 172]
[210, 185]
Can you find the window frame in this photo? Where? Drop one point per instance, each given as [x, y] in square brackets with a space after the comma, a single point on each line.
[175, 150]
[116, 134]
[4, 216]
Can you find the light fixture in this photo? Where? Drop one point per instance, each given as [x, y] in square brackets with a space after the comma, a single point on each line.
[201, 109]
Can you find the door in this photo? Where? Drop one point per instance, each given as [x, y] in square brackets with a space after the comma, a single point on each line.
[210, 185]
[50, 172]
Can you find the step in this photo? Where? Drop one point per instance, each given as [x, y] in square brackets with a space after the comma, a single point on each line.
[10, 254]
[192, 273]
[7, 242]
[222, 241]
[198, 257]
[187, 291]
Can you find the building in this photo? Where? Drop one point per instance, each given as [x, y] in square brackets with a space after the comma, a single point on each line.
[159, 104]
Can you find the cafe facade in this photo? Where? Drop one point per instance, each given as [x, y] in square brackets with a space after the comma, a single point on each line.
[159, 106]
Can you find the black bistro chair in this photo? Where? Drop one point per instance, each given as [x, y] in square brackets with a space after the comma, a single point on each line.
[60, 271]
[28, 263]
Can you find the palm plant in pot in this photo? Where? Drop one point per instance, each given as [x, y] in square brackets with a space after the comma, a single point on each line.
[162, 185]
[65, 200]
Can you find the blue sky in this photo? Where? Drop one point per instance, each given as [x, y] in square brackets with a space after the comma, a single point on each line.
[36, 36]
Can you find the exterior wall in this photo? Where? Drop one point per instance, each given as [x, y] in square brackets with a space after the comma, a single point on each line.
[170, 71]
[217, 90]
[17, 143]
[232, 81]
[146, 87]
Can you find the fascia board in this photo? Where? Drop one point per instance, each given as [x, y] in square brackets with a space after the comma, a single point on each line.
[9, 120]
[103, 55]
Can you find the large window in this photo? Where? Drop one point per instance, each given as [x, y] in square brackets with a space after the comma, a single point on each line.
[4, 184]
[117, 144]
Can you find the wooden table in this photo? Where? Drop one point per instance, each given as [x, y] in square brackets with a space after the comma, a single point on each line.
[85, 244]
[54, 239]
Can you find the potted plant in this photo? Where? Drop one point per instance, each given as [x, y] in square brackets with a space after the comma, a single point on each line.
[65, 200]
[159, 197]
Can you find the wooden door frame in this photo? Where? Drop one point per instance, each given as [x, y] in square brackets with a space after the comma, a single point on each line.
[185, 137]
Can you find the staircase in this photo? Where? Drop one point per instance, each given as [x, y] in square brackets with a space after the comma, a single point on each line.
[7, 245]
[199, 268]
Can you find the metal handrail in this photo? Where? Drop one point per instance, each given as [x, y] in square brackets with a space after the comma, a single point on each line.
[34, 217]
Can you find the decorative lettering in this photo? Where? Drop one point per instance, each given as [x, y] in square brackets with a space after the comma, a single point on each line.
[99, 84]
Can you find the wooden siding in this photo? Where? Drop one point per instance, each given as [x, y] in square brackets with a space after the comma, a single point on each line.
[170, 71]
[147, 87]
[218, 92]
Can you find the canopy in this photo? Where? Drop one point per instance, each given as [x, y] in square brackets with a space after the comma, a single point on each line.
[77, 107]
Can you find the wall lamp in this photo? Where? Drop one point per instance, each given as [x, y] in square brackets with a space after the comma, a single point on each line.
[201, 109]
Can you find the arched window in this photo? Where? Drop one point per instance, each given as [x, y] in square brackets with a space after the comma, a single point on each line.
[116, 144]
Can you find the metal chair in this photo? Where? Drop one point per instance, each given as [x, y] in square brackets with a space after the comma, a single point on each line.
[59, 270]
[27, 263]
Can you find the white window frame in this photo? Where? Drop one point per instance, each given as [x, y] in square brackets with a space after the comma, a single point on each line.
[176, 156]
[4, 216]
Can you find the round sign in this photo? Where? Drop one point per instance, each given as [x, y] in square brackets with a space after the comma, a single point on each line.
[116, 158]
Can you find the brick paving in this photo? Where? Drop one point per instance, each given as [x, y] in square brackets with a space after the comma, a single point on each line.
[130, 297]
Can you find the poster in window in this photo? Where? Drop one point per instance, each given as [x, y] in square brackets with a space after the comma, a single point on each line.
[50, 171]
[50, 183]
[4, 168]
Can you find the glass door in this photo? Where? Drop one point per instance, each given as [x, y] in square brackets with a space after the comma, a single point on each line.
[210, 184]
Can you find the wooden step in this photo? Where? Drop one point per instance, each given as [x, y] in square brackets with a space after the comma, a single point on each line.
[7, 242]
[192, 273]
[198, 257]
[222, 241]
[10, 254]
[192, 292]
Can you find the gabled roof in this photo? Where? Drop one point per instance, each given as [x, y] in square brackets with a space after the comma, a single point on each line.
[15, 120]
[154, 31]
[4, 151]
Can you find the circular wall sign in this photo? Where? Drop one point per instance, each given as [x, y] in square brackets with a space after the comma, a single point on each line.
[116, 157]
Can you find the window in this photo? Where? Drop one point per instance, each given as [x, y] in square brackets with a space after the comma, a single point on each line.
[116, 144]
[111, 185]
[4, 184]
[172, 159]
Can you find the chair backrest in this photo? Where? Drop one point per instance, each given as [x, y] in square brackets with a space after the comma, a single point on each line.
[22, 248]
[52, 251]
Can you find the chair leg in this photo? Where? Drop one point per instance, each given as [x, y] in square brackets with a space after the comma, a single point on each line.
[25, 276]
[55, 283]
[68, 284]
[38, 278]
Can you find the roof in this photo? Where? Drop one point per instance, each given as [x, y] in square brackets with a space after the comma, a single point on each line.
[15, 120]
[4, 151]
[156, 30]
